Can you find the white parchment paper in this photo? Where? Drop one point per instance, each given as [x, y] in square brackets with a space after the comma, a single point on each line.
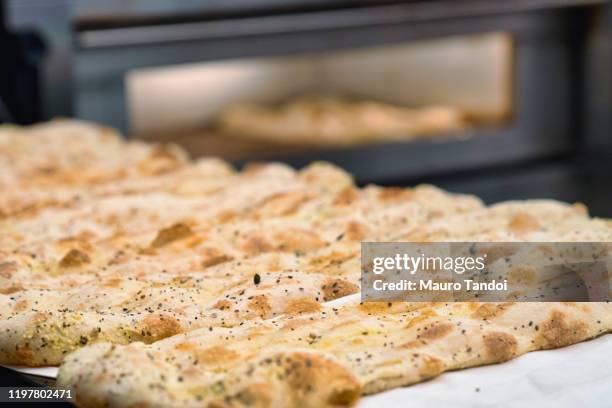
[576, 376]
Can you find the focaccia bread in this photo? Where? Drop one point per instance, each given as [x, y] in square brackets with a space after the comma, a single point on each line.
[333, 122]
[327, 358]
[40, 327]
[68, 152]
[210, 197]
[287, 222]
[102, 235]
[322, 244]
[202, 176]
[164, 282]
[325, 259]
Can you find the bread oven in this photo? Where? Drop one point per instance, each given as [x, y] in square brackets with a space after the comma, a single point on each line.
[400, 92]
[393, 91]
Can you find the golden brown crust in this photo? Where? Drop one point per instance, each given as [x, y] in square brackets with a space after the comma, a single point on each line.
[523, 222]
[560, 330]
[74, 258]
[337, 288]
[500, 346]
[173, 233]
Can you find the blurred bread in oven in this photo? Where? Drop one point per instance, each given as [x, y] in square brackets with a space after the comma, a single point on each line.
[326, 121]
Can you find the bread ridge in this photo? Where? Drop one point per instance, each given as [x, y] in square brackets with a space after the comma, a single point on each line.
[377, 347]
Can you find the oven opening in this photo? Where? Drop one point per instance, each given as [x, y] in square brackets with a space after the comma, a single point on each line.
[436, 89]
